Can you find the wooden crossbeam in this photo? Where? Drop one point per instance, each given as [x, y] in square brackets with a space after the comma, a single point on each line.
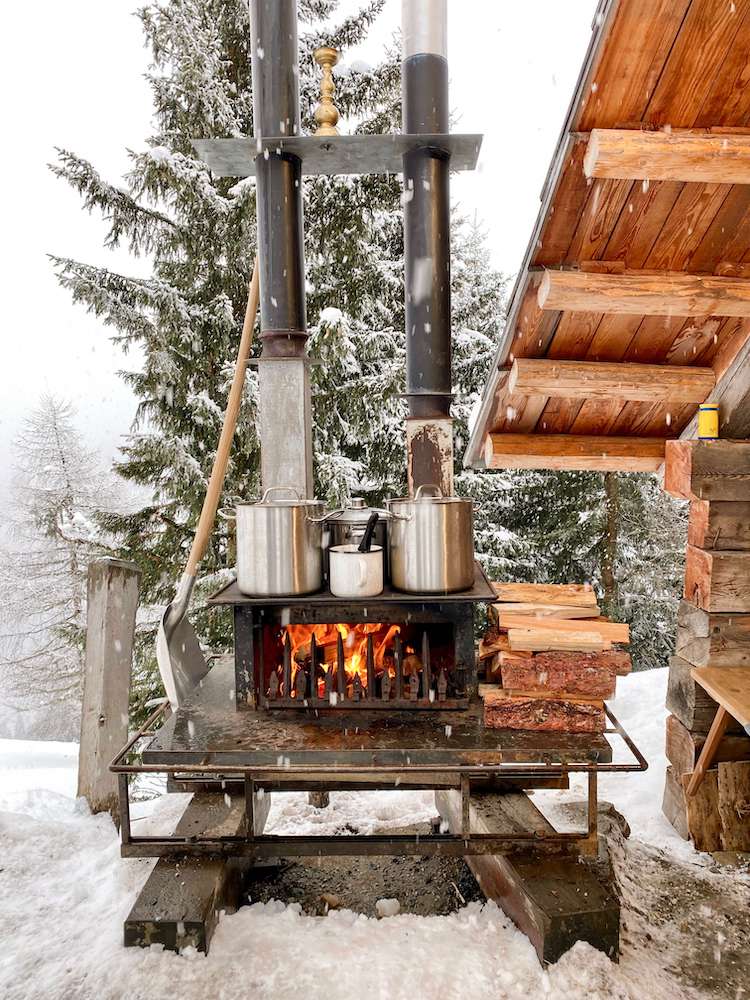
[641, 293]
[573, 452]
[607, 380]
[699, 157]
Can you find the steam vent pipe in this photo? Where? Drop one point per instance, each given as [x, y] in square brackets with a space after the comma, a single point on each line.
[424, 76]
[284, 377]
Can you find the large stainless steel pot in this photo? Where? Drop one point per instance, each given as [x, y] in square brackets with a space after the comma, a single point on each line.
[431, 543]
[279, 545]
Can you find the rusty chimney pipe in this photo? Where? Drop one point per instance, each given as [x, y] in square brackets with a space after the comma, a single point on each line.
[424, 81]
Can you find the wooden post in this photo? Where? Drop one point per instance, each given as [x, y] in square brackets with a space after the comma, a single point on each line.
[110, 625]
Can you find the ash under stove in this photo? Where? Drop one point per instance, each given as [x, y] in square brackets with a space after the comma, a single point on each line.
[319, 653]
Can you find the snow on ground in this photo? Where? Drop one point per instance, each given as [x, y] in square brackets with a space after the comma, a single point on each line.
[64, 893]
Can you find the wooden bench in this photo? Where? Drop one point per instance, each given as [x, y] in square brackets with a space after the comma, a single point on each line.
[730, 687]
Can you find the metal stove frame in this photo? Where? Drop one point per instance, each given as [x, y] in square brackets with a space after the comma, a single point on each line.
[316, 774]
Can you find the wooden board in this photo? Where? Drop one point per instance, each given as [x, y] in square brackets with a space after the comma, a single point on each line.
[539, 610]
[573, 452]
[734, 805]
[611, 631]
[179, 904]
[717, 581]
[580, 595]
[673, 803]
[501, 711]
[712, 640]
[683, 747]
[555, 901]
[729, 687]
[720, 524]
[687, 700]
[605, 380]
[698, 157]
[645, 293]
[707, 470]
[703, 819]
[541, 640]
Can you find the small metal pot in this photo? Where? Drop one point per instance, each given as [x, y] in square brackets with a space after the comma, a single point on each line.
[431, 543]
[279, 545]
[347, 527]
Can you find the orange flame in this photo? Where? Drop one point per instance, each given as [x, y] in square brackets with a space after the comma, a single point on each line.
[354, 640]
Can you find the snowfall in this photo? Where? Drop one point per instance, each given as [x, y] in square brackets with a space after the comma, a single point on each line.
[65, 891]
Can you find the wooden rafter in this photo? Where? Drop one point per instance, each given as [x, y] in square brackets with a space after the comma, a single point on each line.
[571, 452]
[645, 293]
[687, 156]
[606, 380]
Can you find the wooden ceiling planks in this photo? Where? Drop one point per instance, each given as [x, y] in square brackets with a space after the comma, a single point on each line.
[657, 64]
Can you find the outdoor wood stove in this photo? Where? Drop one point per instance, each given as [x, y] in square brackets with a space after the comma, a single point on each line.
[319, 653]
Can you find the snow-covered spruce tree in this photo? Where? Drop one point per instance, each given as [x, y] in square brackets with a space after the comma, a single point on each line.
[59, 485]
[198, 231]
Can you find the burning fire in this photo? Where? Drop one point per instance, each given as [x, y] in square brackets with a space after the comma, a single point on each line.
[354, 639]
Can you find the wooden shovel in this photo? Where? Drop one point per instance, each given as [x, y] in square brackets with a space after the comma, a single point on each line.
[178, 652]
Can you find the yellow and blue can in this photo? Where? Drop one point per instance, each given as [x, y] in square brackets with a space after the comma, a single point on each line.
[708, 421]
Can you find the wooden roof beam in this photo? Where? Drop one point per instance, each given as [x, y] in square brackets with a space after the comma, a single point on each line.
[610, 380]
[573, 452]
[699, 157]
[645, 293]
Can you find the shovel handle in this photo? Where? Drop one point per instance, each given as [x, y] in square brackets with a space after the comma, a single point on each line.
[216, 482]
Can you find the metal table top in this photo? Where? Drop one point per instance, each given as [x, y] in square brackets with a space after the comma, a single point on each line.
[208, 729]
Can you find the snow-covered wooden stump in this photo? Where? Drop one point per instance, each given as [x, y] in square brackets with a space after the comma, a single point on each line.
[112, 602]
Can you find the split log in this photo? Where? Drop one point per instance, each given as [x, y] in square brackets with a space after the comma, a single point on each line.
[541, 640]
[673, 803]
[717, 581]
[720, 524]
[703, 819]
[538, 610]
[492, 642]
[683, 747]
[712, 640]
[617, 660]
[569, 594]
[707, 470]
[734, 806]
[609, 631]
[535, 712]
[573, 678]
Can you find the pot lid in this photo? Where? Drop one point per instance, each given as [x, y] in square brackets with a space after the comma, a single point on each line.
[356, 513]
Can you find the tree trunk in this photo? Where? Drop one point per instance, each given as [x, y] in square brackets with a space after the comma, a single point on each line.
[609, 547]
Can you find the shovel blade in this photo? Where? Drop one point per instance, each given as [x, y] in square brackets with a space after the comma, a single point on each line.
[180, 658]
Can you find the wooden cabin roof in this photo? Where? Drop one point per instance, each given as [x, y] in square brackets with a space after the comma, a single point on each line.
[645, 261]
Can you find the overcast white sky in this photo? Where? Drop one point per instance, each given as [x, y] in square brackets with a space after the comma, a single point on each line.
[72, 74]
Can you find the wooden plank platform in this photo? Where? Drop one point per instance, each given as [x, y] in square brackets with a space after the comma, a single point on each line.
[555, 900]
[180, 902]
[666, 76]
[208, 728]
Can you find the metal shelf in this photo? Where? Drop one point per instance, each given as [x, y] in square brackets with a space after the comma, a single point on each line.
[341, 154]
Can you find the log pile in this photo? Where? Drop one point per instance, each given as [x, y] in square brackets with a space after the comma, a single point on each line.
[713, 630]
[551, 659]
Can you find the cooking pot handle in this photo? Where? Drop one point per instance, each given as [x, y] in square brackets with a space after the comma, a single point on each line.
[428, 486]
[226, 514]
[274, 489]
[325, 517]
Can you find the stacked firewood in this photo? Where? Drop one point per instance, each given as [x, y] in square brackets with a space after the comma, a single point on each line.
[551, 659]
[713, 631]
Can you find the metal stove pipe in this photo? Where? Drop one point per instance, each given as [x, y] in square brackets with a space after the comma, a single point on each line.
[286, 452]
[424, 75]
